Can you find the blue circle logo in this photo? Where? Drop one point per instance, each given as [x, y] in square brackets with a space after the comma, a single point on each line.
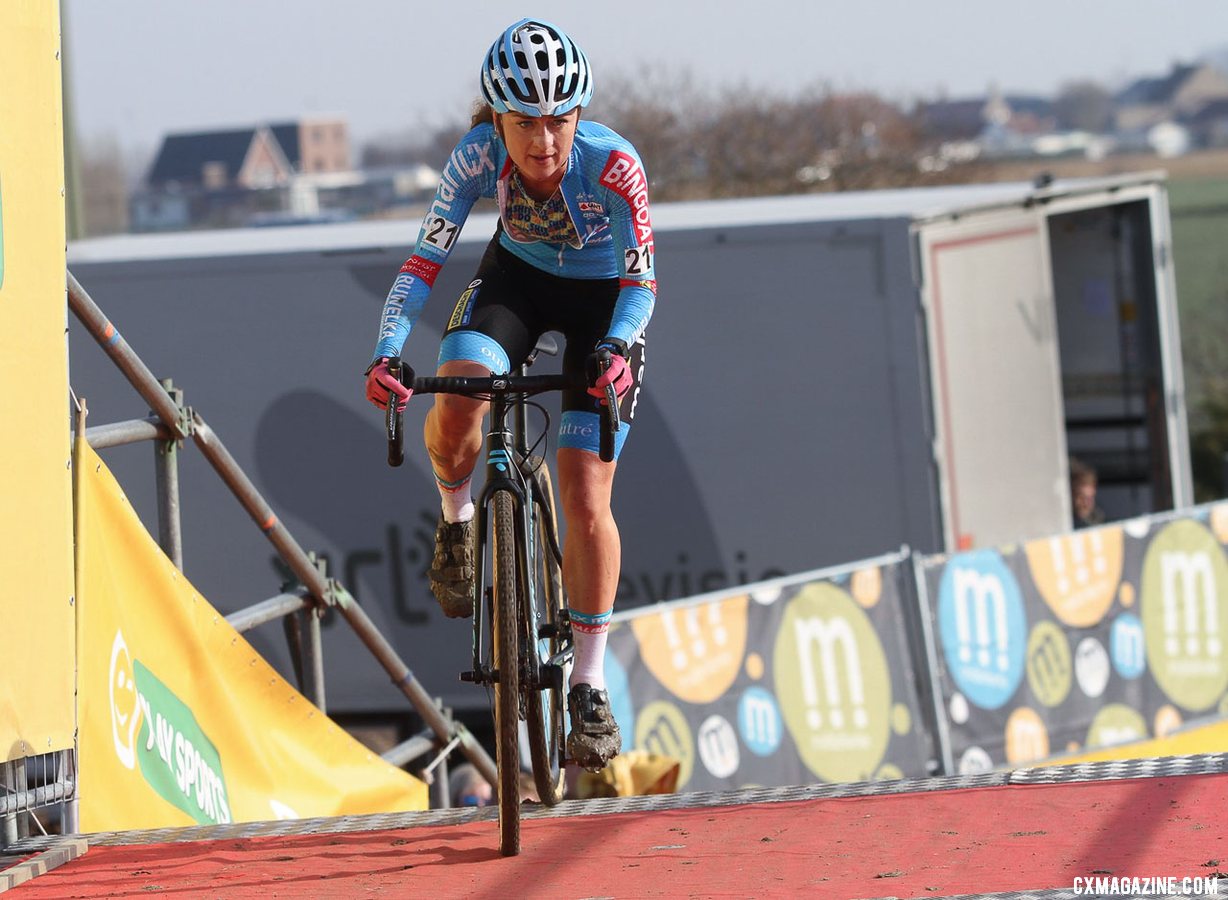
[759, 721]
[982, 626]
[1128, 646]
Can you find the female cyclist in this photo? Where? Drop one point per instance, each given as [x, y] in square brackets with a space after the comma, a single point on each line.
[573, 252]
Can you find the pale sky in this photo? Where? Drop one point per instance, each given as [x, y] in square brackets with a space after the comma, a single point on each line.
[141, 68]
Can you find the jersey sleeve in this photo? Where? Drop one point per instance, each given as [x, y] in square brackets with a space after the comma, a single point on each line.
[624, 179]
[468, 175]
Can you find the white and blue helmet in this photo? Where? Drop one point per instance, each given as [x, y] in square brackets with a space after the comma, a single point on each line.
[535, 69]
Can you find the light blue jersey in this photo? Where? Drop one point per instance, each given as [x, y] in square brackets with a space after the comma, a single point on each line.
[605, 194]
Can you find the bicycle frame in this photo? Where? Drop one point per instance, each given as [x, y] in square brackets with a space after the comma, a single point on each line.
[502, 449]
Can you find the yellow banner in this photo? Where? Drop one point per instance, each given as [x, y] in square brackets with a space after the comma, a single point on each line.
[1209, 738]
[182, 722]
[36, 614]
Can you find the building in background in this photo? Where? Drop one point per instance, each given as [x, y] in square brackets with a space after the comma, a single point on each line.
[270, 174]
[1165, 115]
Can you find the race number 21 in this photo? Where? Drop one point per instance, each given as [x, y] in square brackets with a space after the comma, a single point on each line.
[638, 259]
[440, 233]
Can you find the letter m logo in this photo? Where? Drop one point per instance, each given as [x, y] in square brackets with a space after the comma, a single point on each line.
[980, 618]
[821, 647]
[1190, 601]
[759, 721]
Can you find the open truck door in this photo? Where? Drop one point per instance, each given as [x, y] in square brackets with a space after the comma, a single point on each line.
[995, 378]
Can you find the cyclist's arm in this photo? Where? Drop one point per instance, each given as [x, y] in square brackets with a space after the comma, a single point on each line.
[624, 178]
[469, 174]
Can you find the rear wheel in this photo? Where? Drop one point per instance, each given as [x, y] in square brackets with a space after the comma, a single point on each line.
[507, 663]
[544, 710]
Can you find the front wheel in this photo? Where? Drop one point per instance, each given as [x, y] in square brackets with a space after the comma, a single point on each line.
[507, 663]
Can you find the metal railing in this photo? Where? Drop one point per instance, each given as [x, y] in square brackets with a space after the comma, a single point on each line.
[172, 423]
[31, 783]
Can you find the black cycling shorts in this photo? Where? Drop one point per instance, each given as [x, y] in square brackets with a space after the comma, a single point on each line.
[509, 304]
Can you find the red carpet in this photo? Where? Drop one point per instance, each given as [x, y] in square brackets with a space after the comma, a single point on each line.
[933, 843]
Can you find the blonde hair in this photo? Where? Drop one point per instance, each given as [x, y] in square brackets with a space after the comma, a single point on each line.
[480, 113]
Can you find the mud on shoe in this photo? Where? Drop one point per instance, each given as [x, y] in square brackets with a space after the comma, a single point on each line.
[451, 573]
[594, 738]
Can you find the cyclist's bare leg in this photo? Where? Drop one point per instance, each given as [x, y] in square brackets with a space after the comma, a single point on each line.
[591, 560]
[453, 429]
[592, 552]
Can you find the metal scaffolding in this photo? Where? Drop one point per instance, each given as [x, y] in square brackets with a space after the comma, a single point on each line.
[172, 423]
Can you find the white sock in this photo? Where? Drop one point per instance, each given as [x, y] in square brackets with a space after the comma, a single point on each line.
[589, 633]
[456, 499]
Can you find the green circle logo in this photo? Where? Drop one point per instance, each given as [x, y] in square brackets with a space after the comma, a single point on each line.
[1049, 668]
[661, 728]
[833, 684]
[1116, 724]
[1185, 614]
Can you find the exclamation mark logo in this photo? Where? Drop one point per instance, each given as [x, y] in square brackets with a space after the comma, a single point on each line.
[694, 633]
[1086, 559]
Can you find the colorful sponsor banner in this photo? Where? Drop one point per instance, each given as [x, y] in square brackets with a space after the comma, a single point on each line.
[1081, 640]
[181, 721]
[36, 612]
[787, 682]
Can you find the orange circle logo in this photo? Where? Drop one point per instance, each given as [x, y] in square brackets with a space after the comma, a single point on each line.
[866, 586]
[1078, 573]
[1027, 739]
[695, 651]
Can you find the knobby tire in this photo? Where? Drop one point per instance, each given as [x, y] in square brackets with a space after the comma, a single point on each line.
[507, 662]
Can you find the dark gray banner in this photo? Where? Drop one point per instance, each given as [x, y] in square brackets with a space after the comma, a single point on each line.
[1082, 640]
[800, 680]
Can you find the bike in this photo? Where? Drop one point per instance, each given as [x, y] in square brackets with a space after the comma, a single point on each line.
[521, 631]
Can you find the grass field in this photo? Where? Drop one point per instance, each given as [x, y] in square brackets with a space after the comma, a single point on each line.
[1199, 207]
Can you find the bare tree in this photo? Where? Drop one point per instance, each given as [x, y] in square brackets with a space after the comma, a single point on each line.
[1084, 106]
[699, 141]
[103, 187]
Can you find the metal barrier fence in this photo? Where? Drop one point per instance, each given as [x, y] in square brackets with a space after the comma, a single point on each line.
[170, 424]
[912, 664]
[34, 783]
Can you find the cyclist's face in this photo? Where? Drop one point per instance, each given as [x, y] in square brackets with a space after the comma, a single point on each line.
[539, 146]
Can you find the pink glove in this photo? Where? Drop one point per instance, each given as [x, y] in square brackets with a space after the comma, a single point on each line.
[380, 382]
[618, 374]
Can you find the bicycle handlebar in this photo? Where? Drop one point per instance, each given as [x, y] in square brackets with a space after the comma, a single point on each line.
[394, 419]
[481, 386]
[609, 412]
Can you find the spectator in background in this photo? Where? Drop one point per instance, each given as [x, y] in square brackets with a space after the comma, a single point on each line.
[1083, 495]
[467, 787]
